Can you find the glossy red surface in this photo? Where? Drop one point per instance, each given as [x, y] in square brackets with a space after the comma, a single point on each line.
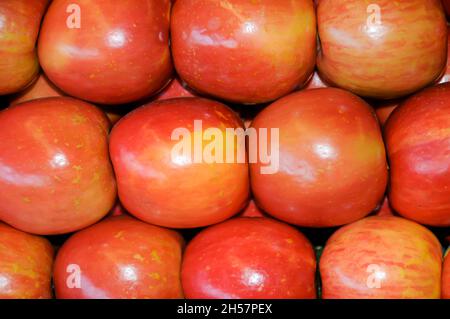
[119, 54]
[249, 258]
[244, 51]
[120, 258]
[176, 88]
[174, 191]
[19, 28]
[25, 265]
[385, 49]
[381, 257]
[418, 142]
[55, 174]
[332, 163]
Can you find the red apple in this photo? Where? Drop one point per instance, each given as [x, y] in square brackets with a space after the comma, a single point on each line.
[385, 109]
[381, 258]
[383, 49]
[169, 188]
[120, 258]
[55, 174]
[252, 211]
[19, 27]
[249, 258]
[446, 276]
[176, 88]
[41, 88]
[417, 135]
[25, 265]
[446, 76]
[120, 52]
[315, 82]
[244, 51]
[385, 209]
[332, 165]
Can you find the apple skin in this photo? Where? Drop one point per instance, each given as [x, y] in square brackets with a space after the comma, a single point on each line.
[25, 265]
[114, 58]
[332, 162]
[121, 258]
[244, 51]
[315, 82]
[181, 194]
[385, 209]
[408, 257]
[417, 137]
[19, 28]
[405, 52]
[176, 88]
[41, 88]
[55, 173]
[252, 211]
[446, 276]
[385, 109]
[249, 258]
[446, 76]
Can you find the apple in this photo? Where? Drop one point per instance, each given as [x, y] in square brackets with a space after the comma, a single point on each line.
[417, 137]
[446, 76]
[55, 173]
[41, 88]
[19, 27]
[244, 51]
[315, 82]
[252, 211]
[381, 257]
[381, 49]
[108, 52]
[385, 209]
[176, 88]
[249, 258]
[446, 276]
[120, 258]
[167, 187]
[385, 109]
[25, 265]
[332, 162]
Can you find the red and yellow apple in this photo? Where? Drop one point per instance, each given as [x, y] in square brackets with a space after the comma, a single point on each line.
[332, 164]
[25, 265]
[244, 51]
[381, 257]
[55, 173]
[108, 52]
[19, 28]
[120, 258]
[249, 258]
[165, 185]
[381, 49]
[417, 137]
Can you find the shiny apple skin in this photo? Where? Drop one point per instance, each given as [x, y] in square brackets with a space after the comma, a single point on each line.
[332, 167]
[180, 194]
[25, 265]
[119, 55]
[176, 88]
[19, 27]
[244, 51]
[446, 76]
[41, 88]
[249, 258]
[446, 276]
[315, 82]
[403, 53]
[55, 173]
[418, 143]
[121, 258]
[408, 257]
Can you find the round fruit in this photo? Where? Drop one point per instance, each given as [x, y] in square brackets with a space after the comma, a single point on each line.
[25, 265]
[381, 257]
[249, 258]
[120, 258]
[55, 173]
[244, 51]
[165, 185]
[417, 135]
[109, 52]
[332, 164]
[385, 49]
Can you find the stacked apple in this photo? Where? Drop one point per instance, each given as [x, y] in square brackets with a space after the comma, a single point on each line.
[305, 77]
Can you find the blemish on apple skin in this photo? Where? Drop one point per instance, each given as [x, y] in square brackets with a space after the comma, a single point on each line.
[26, 200]
[155, 256]
[119, 235]
[76, 202]
[76, 180]
[138, 257]
[289, 241]
[155, 275]
[77, 168]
